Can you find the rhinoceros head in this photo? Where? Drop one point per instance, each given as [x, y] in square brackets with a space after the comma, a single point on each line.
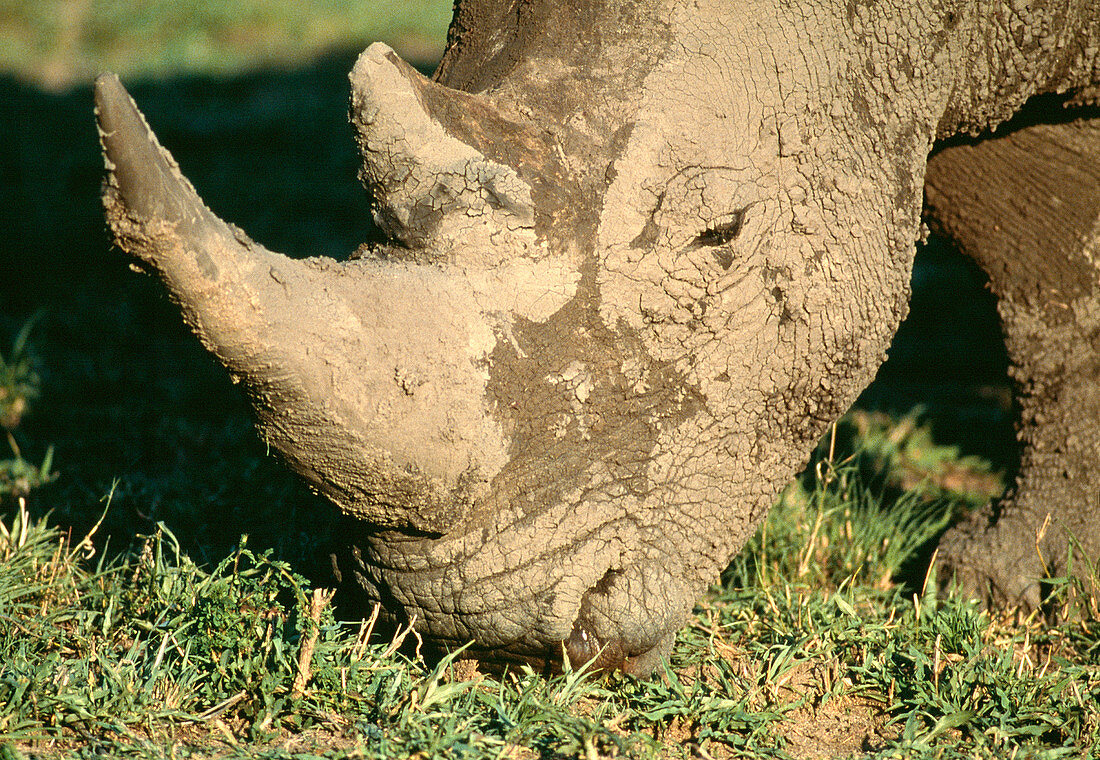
[601, 335]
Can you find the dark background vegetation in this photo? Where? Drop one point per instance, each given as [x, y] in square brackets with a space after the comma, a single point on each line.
[130, 401]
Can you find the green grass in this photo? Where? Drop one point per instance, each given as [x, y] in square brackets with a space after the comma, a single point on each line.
[819, 641]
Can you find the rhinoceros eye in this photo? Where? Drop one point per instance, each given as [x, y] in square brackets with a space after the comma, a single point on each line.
[721, 233]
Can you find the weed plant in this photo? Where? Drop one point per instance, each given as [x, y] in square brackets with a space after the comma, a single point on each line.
[18, 378]
[18, 388]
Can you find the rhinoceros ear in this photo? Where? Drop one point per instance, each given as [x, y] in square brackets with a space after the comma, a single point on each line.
[429, 150]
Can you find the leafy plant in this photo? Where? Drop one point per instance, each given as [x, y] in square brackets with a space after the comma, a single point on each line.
[18, 378]
[905, 454]
[18, 476]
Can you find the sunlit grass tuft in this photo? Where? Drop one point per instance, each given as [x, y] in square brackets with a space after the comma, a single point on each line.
[827, 637]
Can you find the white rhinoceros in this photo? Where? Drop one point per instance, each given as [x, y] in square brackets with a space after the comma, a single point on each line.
[642, 253]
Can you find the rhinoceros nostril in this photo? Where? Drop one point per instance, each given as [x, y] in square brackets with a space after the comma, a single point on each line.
[583, 646]
[605, 651]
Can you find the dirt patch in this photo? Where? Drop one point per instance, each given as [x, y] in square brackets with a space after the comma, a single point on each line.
[818, 715]
[841, 727]
[827, 725]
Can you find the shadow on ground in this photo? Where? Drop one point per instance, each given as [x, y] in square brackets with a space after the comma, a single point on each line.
[129, 394]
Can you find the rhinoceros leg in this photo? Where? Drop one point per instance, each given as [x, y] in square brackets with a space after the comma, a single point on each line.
[1026, 206]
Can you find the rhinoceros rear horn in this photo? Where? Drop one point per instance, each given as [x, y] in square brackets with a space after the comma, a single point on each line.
[429, 149]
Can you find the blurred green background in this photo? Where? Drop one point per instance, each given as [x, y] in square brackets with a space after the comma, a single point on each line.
[60, 43]
[251, 98]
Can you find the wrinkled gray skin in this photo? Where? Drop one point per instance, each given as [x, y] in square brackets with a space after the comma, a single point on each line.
[642, 254]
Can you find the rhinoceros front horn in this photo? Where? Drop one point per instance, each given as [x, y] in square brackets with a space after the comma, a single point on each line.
[389, 423]
[210, 267]
[141, 171]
